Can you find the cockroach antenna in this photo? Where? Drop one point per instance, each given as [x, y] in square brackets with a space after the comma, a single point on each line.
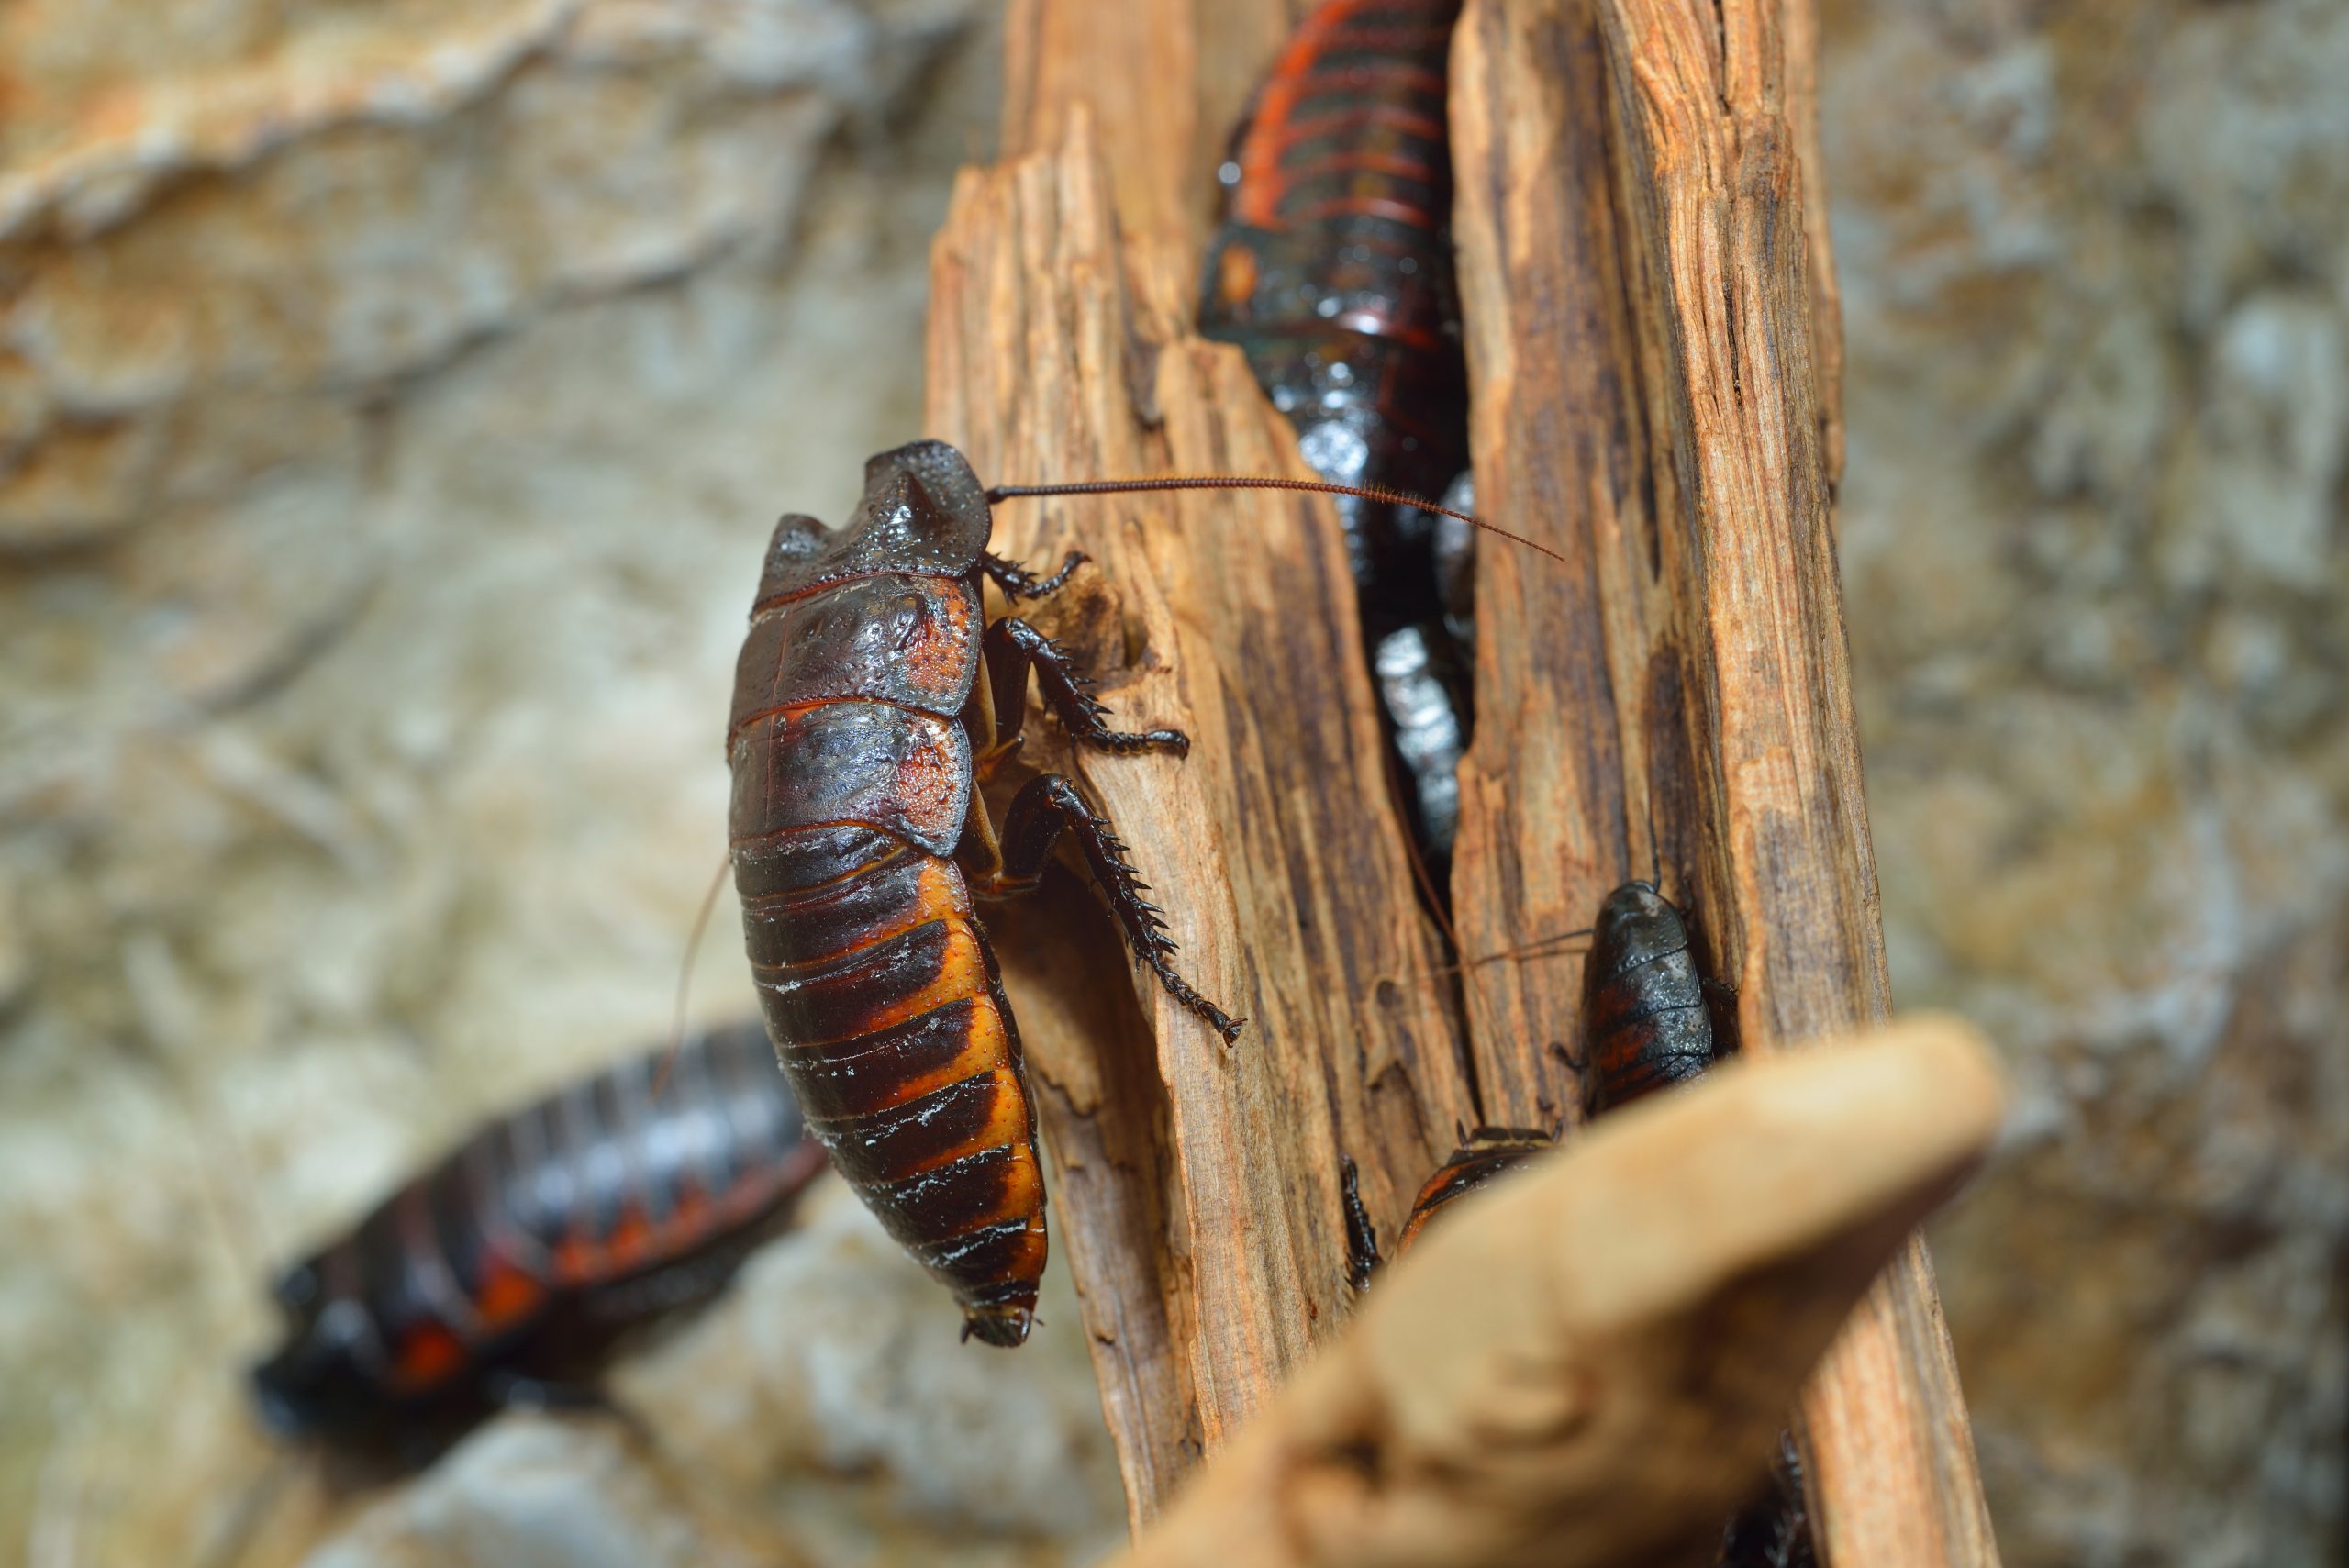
[1247, 481]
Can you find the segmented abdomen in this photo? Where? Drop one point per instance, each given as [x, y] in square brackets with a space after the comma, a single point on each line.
[1489, 1153]
[1333, 270]
[1644, 1021]
[875, 978]
[563, 1210]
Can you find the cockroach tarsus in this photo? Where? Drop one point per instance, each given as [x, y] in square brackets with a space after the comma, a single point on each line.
[513, 1264]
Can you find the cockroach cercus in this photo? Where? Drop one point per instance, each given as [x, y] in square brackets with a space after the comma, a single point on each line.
[870, 694]
[504, 1270]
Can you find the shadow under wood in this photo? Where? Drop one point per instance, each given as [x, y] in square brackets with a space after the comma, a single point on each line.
[1108, 1135]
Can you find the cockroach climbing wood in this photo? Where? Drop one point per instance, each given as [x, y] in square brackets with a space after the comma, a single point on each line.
[514, 1263]
[1331, 269]
[868, 705]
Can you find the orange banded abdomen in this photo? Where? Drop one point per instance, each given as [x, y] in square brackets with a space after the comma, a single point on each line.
[852, 785]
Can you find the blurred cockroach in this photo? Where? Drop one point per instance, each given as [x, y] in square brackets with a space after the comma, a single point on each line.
[870, 699]
[1482, 1155]
[512, 1264]
[1333, 271]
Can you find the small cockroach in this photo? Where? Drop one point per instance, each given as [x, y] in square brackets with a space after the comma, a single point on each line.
[515, 1262]
[1333, 271]
[870, 698]
[1646, 1023]
[1483, 1156]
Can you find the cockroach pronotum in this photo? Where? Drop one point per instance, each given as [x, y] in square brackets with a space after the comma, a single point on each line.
[1333, 271]
[870, 700]
[527, 1250]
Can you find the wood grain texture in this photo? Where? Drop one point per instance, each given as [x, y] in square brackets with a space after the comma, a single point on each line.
[1640, 280]
[1194, 1192]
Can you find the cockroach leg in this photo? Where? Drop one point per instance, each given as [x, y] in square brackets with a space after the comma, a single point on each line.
[1361, 1238]
[1049, 806]
[1018, 583]
[1012, 646]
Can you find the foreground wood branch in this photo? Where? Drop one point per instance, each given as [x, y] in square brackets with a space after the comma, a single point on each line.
[1638, 277]
[1586, 1365]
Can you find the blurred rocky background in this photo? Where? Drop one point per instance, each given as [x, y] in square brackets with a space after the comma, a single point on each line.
[2097, 264]
[389, 395]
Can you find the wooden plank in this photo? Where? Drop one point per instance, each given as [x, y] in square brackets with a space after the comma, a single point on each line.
[1196, 1195]
[1638, 276]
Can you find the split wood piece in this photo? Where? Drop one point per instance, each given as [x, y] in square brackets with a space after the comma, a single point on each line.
[1586, 1365]
[1638, 292]
[1207, 1266]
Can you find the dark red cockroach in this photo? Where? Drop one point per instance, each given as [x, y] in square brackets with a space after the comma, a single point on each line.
[1646, 1023]
[1482, 1155]
[521, 1255]
[1333, 271]
[870, 699]
[870, 696]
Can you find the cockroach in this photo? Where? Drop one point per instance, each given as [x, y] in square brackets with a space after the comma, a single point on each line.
[1646, 1023]
[1773, 1531]
[520, 1258]
[1333, 271]
[870, 700]
[1483, 1156]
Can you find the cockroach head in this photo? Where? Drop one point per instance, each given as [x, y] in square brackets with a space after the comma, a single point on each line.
[923, 511]
[1004, 1326]
[314, 1384]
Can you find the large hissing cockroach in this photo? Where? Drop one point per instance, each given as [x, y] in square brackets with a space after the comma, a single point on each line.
[871, 698]
[523, 1254]
[1333, 271]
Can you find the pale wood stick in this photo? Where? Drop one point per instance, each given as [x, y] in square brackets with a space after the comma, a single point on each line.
[1584, 1366]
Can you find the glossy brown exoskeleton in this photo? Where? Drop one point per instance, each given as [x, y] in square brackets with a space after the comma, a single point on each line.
[870, 697]
[520, 1256]
[1482, 1155]
[1333, 271]
[1646, 1023]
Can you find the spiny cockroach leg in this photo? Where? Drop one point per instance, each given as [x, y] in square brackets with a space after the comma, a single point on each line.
[1048, 807]
[1012, 646]
[1018, 583]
